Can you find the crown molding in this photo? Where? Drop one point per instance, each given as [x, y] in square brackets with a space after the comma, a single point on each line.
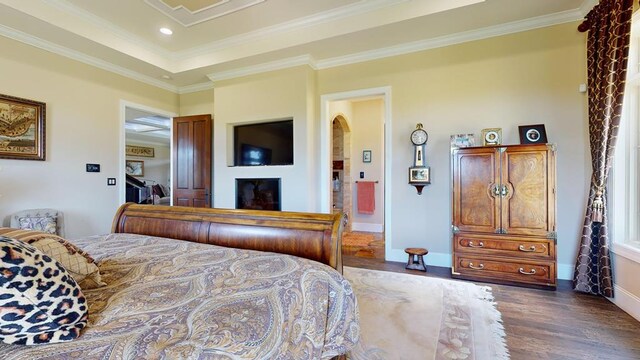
[264, 67]
[453, 39]
[102, 24]
[488, 32]
[291, 26]
[402, 49]
[195, 88]
[81, 57]
[187, 18]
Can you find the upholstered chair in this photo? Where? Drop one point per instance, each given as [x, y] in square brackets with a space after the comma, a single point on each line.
[39, 219]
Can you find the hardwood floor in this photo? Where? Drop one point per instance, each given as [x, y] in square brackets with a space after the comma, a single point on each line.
[548, 325]
[373, 250]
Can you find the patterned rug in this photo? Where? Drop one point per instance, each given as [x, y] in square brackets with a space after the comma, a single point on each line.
[405, 316]
[357, 239]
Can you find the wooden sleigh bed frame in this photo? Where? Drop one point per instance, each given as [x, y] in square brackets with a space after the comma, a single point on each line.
[308, 235]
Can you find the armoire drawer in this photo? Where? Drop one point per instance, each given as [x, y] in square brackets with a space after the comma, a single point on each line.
[504, 245]
[510, 270]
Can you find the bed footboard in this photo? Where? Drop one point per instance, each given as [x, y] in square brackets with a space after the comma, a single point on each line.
[313, 236]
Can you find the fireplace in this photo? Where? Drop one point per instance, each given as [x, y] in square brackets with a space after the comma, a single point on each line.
[258, 194]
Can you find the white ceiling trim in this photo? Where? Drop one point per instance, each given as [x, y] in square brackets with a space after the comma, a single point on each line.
[195, 88]
[453, 39]
[187, 18]
[264, 67]
[290, 26]
[81, 57]
[402, 49]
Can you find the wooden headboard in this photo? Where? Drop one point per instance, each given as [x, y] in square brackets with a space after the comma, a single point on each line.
[313, 236]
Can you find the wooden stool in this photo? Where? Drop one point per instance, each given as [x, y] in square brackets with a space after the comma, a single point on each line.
[413, 253]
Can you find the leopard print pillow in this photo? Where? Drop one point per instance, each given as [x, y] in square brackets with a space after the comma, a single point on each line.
[39, 301]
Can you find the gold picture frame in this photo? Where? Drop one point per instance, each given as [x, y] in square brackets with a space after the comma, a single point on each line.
[142, 151]
[134, 167]
[22, 128]
[491, 136]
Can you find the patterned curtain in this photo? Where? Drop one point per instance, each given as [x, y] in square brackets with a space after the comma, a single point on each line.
[609, 27]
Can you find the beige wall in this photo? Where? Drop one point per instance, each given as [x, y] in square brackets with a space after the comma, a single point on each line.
[82, 126]
[367, 134]
[524, 78]
[197, 103]
[277, 95]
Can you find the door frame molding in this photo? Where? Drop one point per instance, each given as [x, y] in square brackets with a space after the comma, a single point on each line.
[124, 104]
[324, 199]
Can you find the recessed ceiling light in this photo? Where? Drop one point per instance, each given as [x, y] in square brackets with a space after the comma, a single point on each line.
[166, 31]
[167, 77]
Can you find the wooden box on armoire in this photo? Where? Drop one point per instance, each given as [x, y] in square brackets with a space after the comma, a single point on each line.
[504, 214]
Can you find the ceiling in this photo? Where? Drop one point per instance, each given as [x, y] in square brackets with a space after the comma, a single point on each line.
[220, 39]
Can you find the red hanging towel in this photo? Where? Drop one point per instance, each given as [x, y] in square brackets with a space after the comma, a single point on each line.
[366, 197]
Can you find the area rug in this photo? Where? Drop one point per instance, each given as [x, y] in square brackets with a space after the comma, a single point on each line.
[357, 239]
[404, 316]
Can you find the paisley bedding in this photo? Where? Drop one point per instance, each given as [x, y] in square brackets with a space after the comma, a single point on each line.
[169, 299]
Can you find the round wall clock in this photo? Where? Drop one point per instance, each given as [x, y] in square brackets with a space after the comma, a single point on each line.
[419, 136]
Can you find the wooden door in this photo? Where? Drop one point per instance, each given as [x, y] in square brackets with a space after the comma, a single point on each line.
[192, 161]
[476, 174]
[528, 207]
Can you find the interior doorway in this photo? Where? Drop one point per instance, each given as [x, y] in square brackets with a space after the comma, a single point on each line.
[145, 155]
[355, 153]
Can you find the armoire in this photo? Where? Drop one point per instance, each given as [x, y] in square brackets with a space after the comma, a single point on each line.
[504, 214]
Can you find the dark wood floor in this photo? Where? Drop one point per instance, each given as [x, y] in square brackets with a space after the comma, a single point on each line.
[549, 325]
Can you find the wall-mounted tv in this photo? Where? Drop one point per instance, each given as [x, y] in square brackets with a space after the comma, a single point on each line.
[267, 143]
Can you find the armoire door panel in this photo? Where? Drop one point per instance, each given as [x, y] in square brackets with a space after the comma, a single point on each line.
[476, 208]
[525, 207]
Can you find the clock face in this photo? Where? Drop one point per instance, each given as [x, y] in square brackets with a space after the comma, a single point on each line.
[419, 137]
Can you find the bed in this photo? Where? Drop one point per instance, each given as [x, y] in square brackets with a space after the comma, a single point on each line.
[242, 284]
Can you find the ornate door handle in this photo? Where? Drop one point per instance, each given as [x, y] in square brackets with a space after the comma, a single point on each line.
[480, 244]
[532, 272]
[504, 191]
[479, 267]
[531, 248]
[496, 190]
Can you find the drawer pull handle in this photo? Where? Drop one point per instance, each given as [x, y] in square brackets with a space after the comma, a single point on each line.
[532, 272]
[479, 267]
[531, 248]
[480, 244]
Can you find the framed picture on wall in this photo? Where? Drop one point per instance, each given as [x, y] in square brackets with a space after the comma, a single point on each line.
[366, 156]
[135, 167]
[22, 128]
[144, 151]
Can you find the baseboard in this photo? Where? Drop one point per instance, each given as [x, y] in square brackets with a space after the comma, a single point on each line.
[565, 271]
[376, 228]
[626, 301]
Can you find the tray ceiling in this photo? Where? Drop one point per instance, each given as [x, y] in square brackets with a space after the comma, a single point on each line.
[217, 39]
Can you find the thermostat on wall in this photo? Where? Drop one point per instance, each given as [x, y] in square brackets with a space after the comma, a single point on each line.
[93, 167]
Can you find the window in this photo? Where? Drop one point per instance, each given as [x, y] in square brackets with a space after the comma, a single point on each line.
[625, 195]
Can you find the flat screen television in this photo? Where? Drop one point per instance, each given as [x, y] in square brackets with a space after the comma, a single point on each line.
[267, 143]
